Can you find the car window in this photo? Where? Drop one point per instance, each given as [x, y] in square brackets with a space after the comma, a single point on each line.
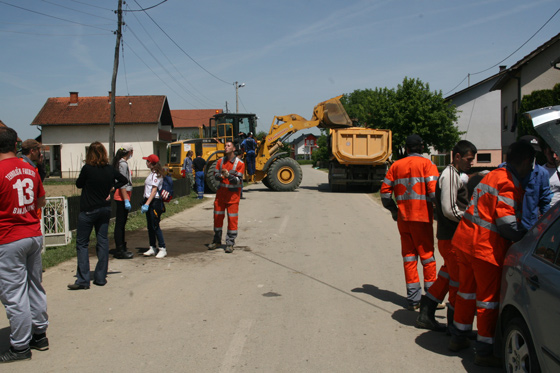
[548, 246]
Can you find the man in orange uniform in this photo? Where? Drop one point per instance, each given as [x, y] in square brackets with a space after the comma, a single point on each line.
[229, 172]
[452, 199]
[481, 240]
[413, 182]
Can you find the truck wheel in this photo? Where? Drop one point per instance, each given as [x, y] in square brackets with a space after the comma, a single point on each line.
[211, 181]
[284, 175]
[266, 182]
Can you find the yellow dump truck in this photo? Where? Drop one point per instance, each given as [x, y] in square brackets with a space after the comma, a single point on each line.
[359, 156]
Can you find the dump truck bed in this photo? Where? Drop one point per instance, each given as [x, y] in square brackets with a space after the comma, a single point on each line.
[364, 146]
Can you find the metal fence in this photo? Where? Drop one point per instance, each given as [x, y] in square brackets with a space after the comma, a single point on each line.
[181, 187]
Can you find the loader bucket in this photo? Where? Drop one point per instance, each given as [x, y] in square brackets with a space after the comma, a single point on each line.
[331, 114]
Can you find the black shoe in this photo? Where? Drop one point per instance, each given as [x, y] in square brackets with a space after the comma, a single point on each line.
[40, 344]
[77, 287]
[123, 255]
[99, 283]
[457, 343]
[12, 355]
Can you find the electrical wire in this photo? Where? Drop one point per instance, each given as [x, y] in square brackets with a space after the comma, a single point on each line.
[144, 9]
[93, 6]
[124, 68]
[182, 50]
[511, 54]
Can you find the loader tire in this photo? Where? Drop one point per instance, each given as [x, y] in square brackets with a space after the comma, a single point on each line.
[266, 182]
[284, 175]
[211, 181]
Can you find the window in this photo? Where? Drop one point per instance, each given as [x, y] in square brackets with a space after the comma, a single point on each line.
[483, 157]
[547, 247]
[505, 118]
[441, 160]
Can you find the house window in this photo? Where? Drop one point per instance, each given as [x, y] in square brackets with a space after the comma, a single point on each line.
[505, 118]
[441, 160]
[483, 157]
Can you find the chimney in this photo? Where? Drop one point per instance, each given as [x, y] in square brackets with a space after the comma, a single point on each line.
[109, 100]
[74, 98]
[502, 67]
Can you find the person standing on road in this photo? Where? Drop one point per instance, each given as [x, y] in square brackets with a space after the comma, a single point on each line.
[249, 145]
[229, 172]
[413, 182]
[552, 163]
[21, 268]
[452, 199]
[187, 170]
[153, 207]
[198, 164]
[122, 201]
[97, 178]
[487, 229]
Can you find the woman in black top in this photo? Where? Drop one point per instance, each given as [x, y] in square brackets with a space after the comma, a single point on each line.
[97, 179]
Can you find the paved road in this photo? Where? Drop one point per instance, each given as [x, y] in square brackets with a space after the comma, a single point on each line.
[316, 285]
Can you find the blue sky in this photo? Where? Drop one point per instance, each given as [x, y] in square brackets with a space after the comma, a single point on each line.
[291, 54]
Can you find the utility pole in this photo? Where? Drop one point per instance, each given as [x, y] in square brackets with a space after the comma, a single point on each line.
[114, 84]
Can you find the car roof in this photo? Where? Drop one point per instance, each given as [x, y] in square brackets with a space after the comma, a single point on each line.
[546, 122]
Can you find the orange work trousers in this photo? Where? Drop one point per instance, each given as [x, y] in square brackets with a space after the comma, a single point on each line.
[220, 208]
[479, 290]
[448, 275]
[417, 240]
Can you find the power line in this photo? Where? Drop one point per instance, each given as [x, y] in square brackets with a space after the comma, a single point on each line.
[93, 6]
[144, 9]
[511, 54]
[182, 50]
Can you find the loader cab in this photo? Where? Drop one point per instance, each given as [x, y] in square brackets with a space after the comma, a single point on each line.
[227, 126]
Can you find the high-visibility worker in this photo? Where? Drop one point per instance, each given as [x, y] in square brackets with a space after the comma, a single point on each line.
[452, 199]
[229, 172]
[490, 224]
[412, 180]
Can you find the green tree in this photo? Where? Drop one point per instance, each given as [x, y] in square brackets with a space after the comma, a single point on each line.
[410, 108]
[322, 153]
[536, 100]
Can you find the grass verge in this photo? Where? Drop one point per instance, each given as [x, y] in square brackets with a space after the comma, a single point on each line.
[136, 220]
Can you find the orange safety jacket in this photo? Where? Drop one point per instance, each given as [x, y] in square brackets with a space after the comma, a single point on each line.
[496, 202]
[230, 189]
[413, 182]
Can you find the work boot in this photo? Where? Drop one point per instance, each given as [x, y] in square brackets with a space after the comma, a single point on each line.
[426, 318]
[487, 361]
[458, 343]
[122, 253]
[229, 249]
[213, 246]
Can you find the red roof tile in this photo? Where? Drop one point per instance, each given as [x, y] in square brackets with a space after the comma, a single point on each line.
[97, 110]
[192, 118]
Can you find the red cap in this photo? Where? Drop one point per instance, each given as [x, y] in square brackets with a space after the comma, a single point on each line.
[152, 158]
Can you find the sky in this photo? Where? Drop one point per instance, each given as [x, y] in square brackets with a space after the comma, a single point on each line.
[290, 54]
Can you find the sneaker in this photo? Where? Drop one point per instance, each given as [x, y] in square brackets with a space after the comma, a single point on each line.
[12, 355]
[213, 246]
[229, 249]
[162, 253]
[40, 344]
[150, 252]
[457, 343]
[487, 361]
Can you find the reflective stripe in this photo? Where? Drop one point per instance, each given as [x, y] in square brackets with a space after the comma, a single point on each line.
[462, 327]
[385, 195]
[219, 212]
[443, 274]
[406, 197]
[411, 258]
[506, 220]
[430, 178]
[388, 182]
[508, 201]
[467, 296]
[429, 295]
[413, 285]
[488, 305]
[217, 229]
[454, 284]
[488, 340]
[428, 284]
[429, 260]
[481, 223]
[232, 215]
[230, 232]
[230, 186]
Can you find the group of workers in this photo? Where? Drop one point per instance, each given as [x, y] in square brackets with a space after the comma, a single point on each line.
[475, 227]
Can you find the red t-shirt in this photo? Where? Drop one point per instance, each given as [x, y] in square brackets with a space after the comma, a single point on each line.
[20, 186]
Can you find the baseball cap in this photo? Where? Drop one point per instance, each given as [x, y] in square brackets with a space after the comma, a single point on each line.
[127, 147]
[152, 158]
[414, 140]
[533, 140]
[30, 144]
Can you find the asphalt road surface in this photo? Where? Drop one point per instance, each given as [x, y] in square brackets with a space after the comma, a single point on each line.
[315, 285]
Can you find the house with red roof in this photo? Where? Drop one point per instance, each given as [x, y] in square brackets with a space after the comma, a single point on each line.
[186, 123]
[69, 124]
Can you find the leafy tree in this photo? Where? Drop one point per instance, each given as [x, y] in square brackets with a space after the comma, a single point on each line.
[260, 135]
[536, 100]
[322, 153]
[411, 108]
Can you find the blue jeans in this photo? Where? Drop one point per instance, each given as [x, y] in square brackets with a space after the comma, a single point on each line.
[98, 219]
[153, 216]
[200, 183]
[250, 159]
